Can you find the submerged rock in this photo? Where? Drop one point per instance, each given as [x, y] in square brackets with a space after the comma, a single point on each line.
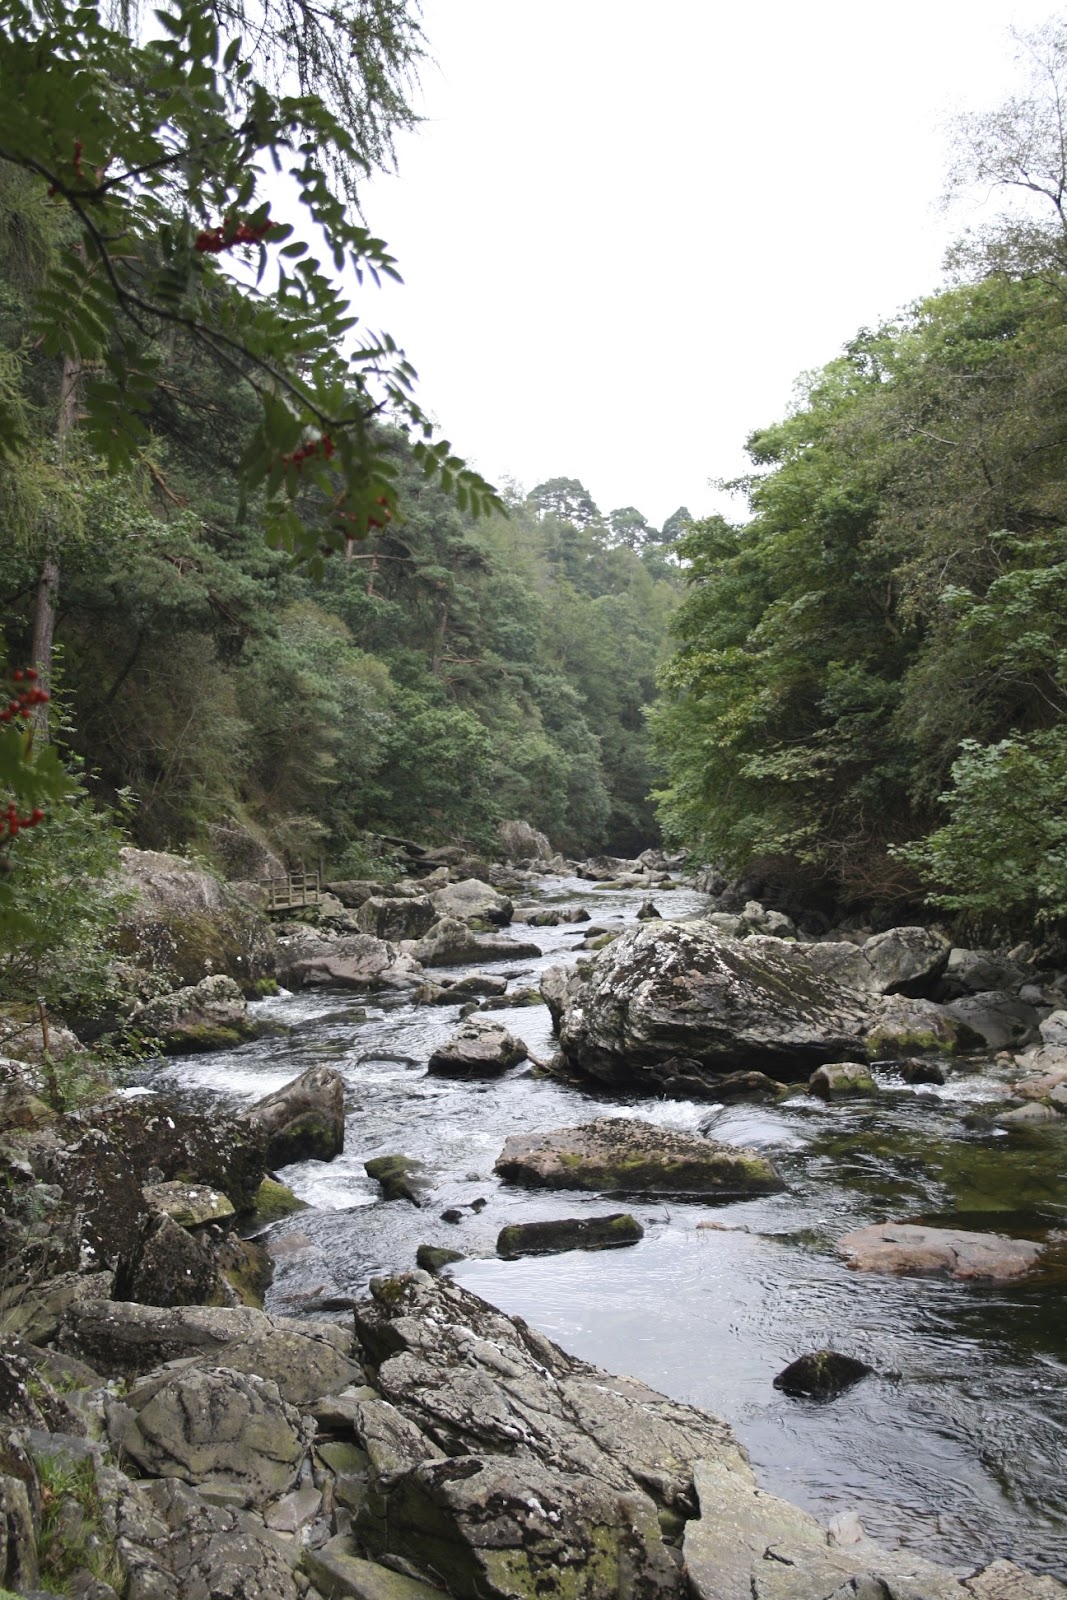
[910, 1249]
[401, 1177]
[625, 1156]
[822, 1374]
[568, 1233]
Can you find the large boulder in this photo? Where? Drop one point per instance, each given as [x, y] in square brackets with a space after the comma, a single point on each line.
[903, 1026]
[506, 1467]
[908, 1249]
[396, 917]
[306, 1359]
[522, 842]
[209, 1015]
[906, 960]
[302, 1121]
[165, 1142]
[167, 1266]
[174, 1545]
[178, 923]
[353, 961]
[480, 1048]
[671, 989]
[220, 1429]
[451, 943]
[624, 1156]
[472, 901]
[1002, 1020]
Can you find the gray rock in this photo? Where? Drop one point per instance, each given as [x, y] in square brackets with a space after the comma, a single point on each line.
[401, 1177]
[473, 901]
[395, 918]
[1054, 1030]
[188, 1204]
[208, 1015]
[756, 918]
[839, 1079]
[672, 989]
[451, 943]
[353, 961]
[906, 960]
[18, 1538]
[213, 1427]
[626, 1156]
[341, 1573]
[304, 1120]
[978, 971]
[909, 1249]
[480, 1048]
[1028, 1116]
[1041, 1085]
[304, 1358]
[523, 842]
[1003, 1021]
[903, 1026]
[166, 1267]
[174, 1545]
[747, 1543]
[183, 924]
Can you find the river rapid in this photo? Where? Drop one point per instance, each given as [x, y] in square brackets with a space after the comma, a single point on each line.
[956, 1447]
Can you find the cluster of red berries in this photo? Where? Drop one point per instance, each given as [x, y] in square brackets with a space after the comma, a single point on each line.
[212, 240]
[324, 447]
[23, 701]
[375, 519]
[77, 164]
[11, 822]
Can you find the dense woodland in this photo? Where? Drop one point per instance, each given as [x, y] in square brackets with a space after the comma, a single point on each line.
[272, 607]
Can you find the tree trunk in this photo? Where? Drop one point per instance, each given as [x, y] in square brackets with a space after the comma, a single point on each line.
[44, 614]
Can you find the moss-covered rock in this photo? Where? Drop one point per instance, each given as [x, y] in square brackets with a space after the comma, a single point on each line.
[560, 1234]
[274, 1200]
[625, 1156]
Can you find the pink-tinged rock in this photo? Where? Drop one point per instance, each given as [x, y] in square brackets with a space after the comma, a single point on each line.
[911, 1250]
[1041, 1087]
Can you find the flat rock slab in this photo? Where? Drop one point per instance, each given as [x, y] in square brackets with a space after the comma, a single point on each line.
[623, 1155]
[911, 1250]
[189, 1204]
[339, 1572]
[560, 1234]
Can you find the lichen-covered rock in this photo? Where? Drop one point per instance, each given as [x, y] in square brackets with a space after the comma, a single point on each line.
[312, 960]
[401, 1177]
[909, 1249]
[209, 1015]
[672, 989]
[396, 917]
[214, 1427]
[625, 1156]
[166, 1266]
[906, 960]
[840, 1079]
[306, 1359]
[340, 1572]
[174, 1545]
[160, 1137]
[178, 924]
[473, 901]
[303, 1120]
[480, 1048]
[191, 1205]
[902, 1026]
[524, 1470]
[451, 943]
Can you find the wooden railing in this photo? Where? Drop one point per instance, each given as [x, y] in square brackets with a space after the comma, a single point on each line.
[294, 890]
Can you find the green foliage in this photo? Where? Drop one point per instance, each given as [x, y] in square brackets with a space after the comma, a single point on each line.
[60, 908]
[1002, 856]
[156, 150]
[73, 1532]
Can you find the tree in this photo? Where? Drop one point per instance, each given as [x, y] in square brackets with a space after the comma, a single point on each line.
[676, 526]
[568, 500]
[158, 151]
[628, 527]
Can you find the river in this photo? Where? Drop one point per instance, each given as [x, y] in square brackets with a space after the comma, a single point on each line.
[956, 1447]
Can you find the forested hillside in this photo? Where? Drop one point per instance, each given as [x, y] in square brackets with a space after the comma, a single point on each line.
[869, 692]
[441, 674]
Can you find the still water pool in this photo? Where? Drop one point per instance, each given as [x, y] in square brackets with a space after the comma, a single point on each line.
[957, 1447]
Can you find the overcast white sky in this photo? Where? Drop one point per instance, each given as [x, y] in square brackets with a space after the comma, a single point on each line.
[624, 230]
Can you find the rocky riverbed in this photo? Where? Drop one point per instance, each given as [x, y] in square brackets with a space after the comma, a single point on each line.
[521, 1469]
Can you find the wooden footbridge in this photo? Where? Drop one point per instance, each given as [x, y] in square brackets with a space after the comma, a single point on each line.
[294, 891]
